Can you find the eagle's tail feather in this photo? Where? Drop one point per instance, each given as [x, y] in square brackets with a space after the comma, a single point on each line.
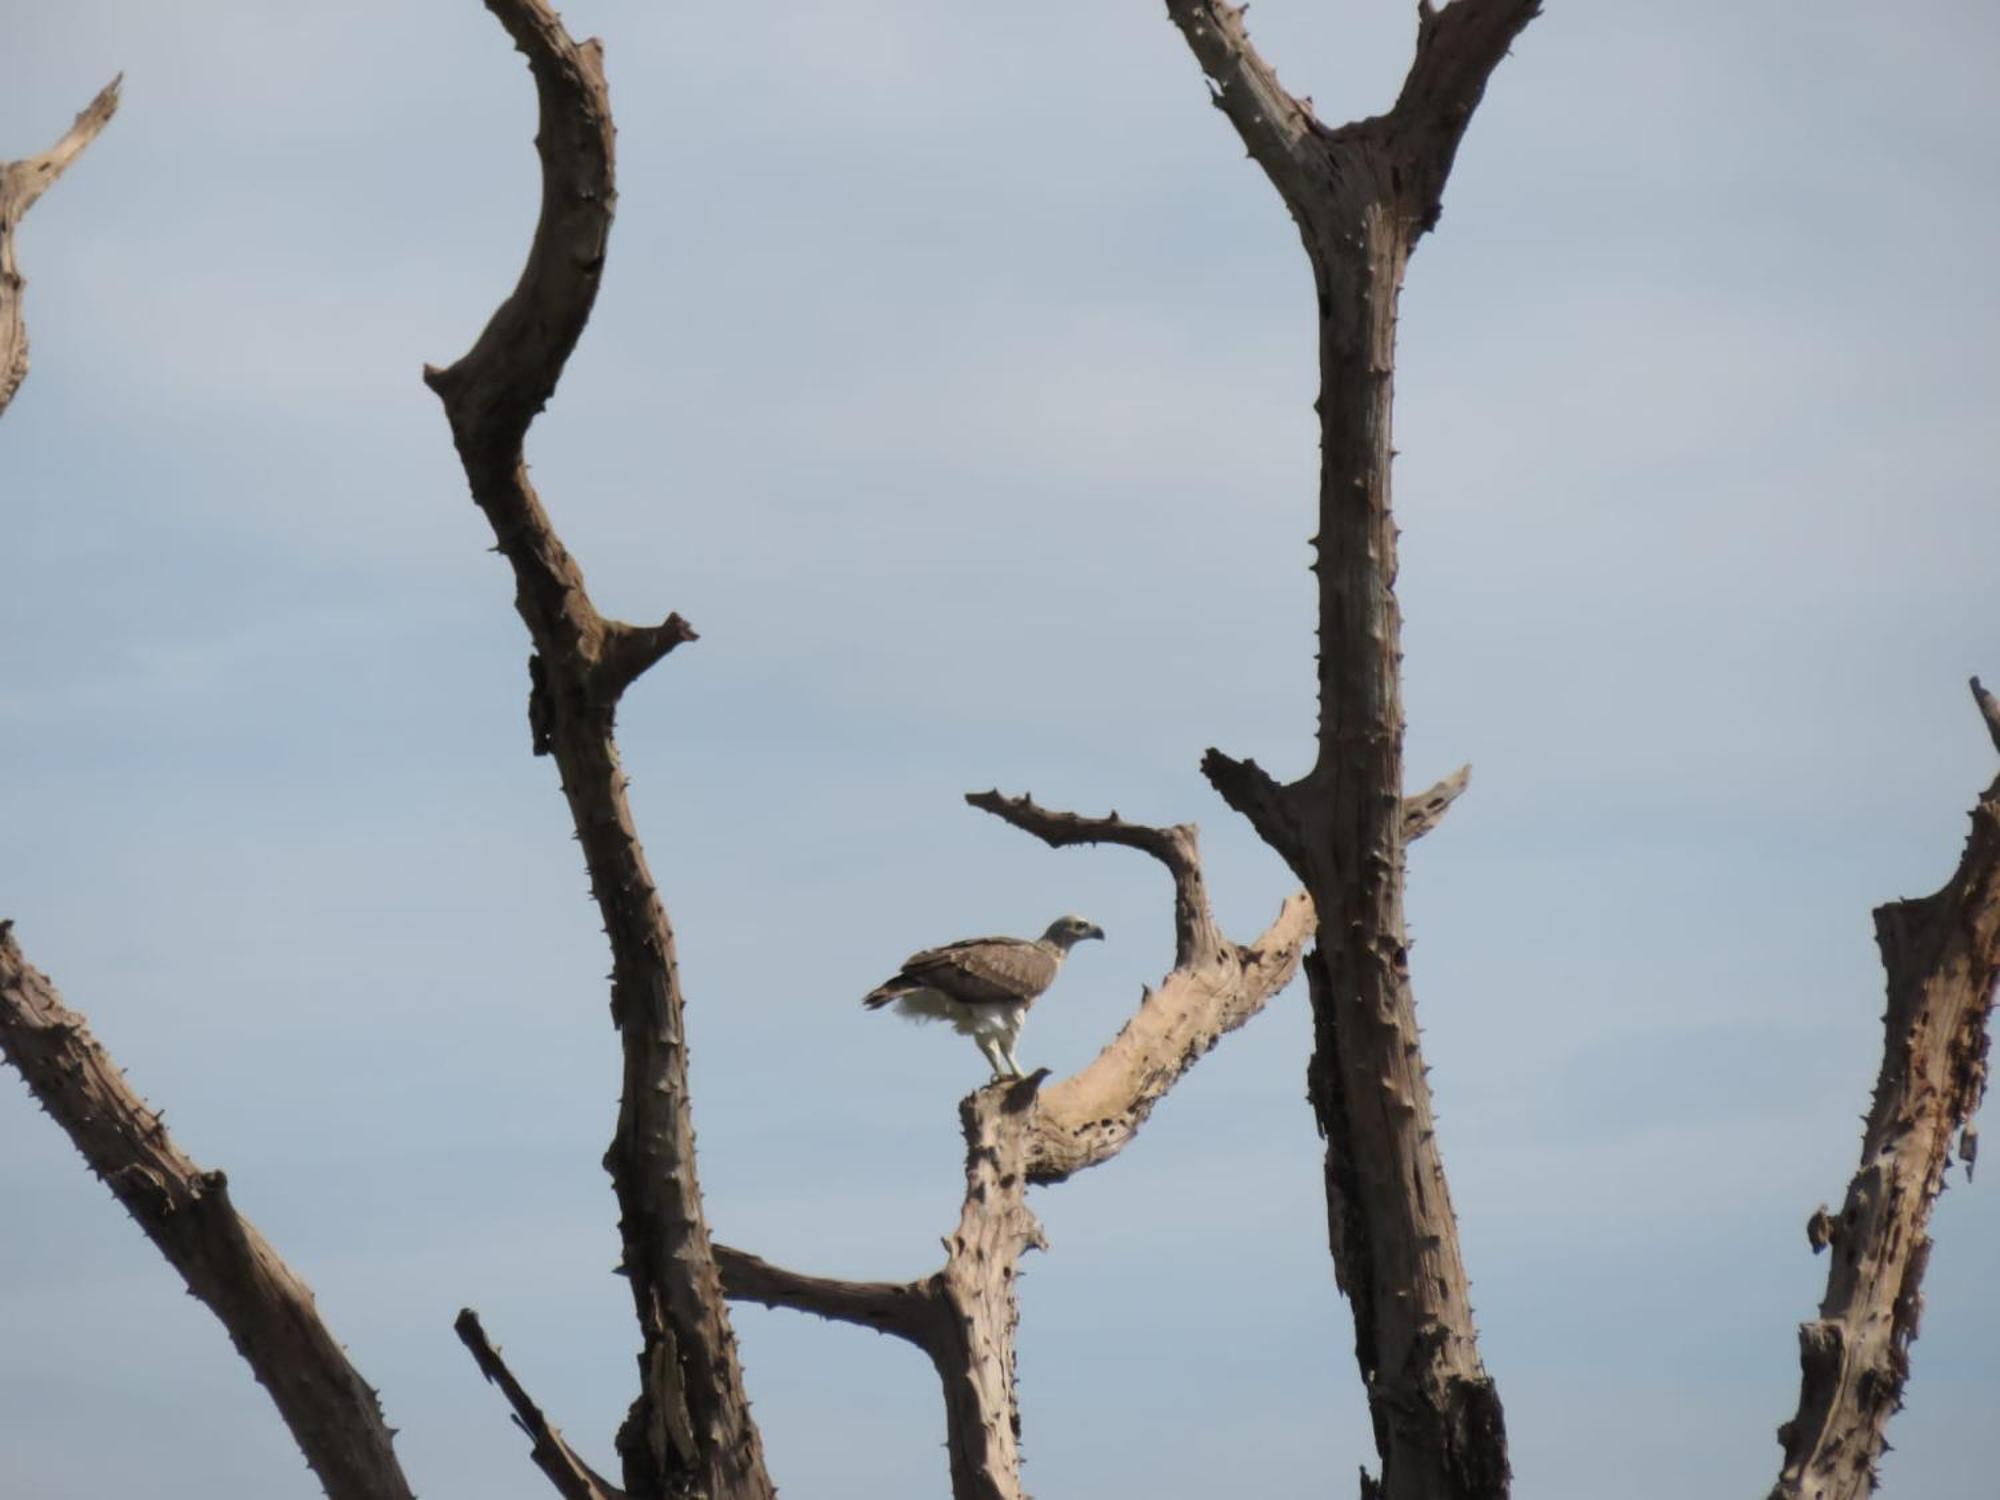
[913, 1002]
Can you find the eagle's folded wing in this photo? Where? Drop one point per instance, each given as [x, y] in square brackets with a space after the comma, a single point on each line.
[982, 971]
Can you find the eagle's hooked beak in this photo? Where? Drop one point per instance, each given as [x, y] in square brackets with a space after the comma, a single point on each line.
[1094, 931]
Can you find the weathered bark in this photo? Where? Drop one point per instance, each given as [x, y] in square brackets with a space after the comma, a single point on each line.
[1941, 955]
[1018, 1133]
[689, 1432]
[268, 1311]
[573, 1478]
[21, 183]
[1362, 195]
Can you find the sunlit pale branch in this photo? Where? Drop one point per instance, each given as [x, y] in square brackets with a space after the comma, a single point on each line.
[1018, 1132]
[21, 183]
[186, 1212]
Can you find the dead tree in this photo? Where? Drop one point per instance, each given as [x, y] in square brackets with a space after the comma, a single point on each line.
[1021, 1134]
[21, 183]
[689, 1430]
[1362, 195]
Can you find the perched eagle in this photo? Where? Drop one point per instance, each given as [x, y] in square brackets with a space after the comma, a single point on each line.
[983, 986]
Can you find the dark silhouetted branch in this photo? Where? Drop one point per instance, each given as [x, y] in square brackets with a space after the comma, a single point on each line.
[690, 1429]
[901, 1308]
[1196, 937]
[573, 1478]
[1363, 194]
[269, 1313]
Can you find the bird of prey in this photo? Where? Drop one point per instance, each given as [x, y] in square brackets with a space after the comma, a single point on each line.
[983, 986]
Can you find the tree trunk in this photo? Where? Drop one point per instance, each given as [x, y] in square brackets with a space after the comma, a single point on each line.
[1362, 195]
[689, 1431]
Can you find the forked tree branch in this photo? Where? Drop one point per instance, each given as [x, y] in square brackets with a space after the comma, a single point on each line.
[1941, 954]
[573, 1478]
[1363, 194]
[267, 1310]
[1197, 940]
[690, 1430]
[1018, 1133]
[21, 183]
[1214, 987]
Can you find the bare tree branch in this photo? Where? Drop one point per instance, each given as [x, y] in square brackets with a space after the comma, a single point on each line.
[1016, 1134]
[690, 1430]
[901, 1308]
[1196, 937]
[1363, 194]
[1457, 50]
[1278, 128]
[1255, 793]
[1426, 810]
[268, 1311]
[1092, 1115]
[1214, 987]
[1941, 954]
[573, 1478]
[21, 183]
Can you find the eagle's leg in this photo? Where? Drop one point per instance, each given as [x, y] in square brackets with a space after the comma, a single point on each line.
[1013, 1062]
[996, 1055]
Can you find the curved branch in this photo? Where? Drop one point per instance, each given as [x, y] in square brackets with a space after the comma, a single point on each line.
[690, 1430]
[1941, 954]
[496, 389]
[573, 1478]
[1214, 987]
[1196, 937]
[21, 183]
[268, 1311]
[901, 1308]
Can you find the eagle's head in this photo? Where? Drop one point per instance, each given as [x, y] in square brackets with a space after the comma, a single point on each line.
[1066, 932]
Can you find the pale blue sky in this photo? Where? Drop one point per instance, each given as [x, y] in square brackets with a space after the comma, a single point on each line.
[953, 374]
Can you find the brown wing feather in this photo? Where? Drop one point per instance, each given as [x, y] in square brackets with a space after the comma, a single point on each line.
[978, 971]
